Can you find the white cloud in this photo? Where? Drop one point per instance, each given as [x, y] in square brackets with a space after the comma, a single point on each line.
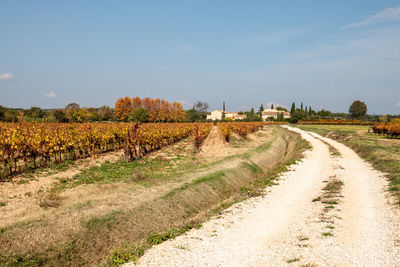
[51, 94]
[392, 13]
[6, 76]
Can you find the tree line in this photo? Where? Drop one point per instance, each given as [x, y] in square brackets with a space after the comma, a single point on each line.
[148, 110]
[159, 110]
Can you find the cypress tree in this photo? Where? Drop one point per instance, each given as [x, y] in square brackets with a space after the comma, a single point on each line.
[223, 106]
[293, 109]
[301, 106]
[261, 109]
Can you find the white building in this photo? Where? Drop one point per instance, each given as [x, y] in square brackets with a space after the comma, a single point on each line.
[217, 115]
[273, 113]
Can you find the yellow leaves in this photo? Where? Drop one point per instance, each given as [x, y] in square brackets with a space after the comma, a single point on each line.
[49, 140]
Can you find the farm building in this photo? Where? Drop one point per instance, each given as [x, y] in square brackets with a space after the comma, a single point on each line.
[217, 115]
[273, 113]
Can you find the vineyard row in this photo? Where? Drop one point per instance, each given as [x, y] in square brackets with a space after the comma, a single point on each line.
[25, 146]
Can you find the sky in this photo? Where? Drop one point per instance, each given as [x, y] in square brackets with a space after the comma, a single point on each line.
[246, 53]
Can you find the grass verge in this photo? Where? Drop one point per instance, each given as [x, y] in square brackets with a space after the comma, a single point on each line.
[381, 152]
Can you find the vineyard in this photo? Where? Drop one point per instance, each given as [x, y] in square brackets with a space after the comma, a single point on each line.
[242, 129]
[390, 129]
[335, 122]
[27, 146]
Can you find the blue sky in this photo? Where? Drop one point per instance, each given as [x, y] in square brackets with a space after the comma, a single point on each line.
[245, 53]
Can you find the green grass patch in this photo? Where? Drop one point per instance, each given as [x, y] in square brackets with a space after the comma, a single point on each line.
[334, 186]
[254, 168]
[212, 177]
[327, 234]
[132, 252]
[293, 260]
[108, 221]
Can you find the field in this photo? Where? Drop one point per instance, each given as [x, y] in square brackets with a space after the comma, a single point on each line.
[108, 206]
[382, 152]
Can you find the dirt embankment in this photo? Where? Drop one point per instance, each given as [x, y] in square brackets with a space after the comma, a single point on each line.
[113, 214]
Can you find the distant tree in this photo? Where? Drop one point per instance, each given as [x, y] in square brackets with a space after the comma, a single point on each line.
[71, 111]
[281, 109]
[178, 112]
[36, 113]
[155, 109]
[192, 115]
[324, 114]
[297, 116]
[395, 120]
[383, 118]
[261, 109]
[136, 104]
[140, 115]
[293, 109]
[223, 106]
[59, 115]
[164, 114]
[105, 113]
[358, 109]
[122, 109]
[2, 113]
[72, 106]
[301, 108]
[250, 115]
[310, 111]
[201, 108]
[11, 115]
[272, 106]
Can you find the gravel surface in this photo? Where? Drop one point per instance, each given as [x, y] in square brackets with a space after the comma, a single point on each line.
[286, 227]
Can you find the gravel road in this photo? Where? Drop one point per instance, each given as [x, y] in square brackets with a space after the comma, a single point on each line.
[287, 228]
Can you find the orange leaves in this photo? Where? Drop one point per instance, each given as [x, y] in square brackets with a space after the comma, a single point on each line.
[200, 133]
[389, 129]
[159, 110]
[145, 138]
[241, 128]
[123, 107]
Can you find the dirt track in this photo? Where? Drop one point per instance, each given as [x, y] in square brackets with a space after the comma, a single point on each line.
[286, 227]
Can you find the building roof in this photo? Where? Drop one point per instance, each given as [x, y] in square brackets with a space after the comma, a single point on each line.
[240, 116]
[274, 112]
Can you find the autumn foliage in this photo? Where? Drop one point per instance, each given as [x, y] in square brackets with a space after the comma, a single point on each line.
[158, 110]
[389, 129]
[240, 128]
[31, 145]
